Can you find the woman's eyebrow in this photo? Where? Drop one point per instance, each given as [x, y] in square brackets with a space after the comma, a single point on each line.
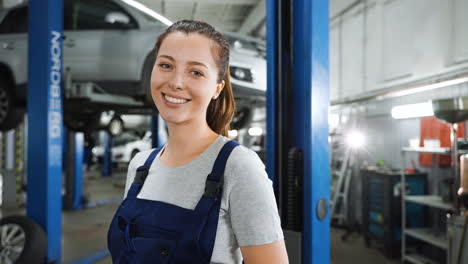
[167, 57]
[189, 62]
[197, 63]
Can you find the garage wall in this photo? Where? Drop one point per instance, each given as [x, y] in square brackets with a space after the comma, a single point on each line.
[386, 136]
[379, 45]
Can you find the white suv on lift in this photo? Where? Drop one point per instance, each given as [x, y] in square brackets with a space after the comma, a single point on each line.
[110, 43]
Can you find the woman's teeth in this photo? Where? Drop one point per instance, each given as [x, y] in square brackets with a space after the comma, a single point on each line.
[175, 100]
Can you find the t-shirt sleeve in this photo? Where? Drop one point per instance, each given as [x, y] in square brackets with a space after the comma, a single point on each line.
[252, 204]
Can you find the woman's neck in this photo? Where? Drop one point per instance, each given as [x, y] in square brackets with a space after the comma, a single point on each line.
[186, 142]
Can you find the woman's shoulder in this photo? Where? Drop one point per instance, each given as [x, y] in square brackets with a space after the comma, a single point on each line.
[242, 156]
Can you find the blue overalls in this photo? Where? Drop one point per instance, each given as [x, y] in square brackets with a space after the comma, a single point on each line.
[145, 231]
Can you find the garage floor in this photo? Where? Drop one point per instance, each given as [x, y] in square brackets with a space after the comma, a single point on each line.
[84, 231]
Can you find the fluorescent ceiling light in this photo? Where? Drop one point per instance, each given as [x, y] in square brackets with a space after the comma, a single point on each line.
[148, 11]
[412, 110]
[424, 88]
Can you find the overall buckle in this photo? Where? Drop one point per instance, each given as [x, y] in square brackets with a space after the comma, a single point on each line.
[212, 187]
[140, 176]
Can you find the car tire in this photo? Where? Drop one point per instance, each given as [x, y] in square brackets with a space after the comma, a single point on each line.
[146, 80]
[26, 235]
[10, 114]
[115, 126]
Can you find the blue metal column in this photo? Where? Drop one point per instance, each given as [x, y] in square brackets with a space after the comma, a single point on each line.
[272, 90]
[74, 171]
[155, 131]
[78, 179]
[311, 100]
[297, 122]
[107, 156]
[44, 104]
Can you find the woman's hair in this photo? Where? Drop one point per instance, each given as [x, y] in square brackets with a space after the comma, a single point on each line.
[220, 111]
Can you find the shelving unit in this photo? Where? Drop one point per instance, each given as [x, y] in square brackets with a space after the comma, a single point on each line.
[434, 201]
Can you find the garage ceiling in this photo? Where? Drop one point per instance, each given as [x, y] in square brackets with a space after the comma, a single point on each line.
[245, 16]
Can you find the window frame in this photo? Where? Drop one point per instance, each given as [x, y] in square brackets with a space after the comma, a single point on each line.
[75, 16]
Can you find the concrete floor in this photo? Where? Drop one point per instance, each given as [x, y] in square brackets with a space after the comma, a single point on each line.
[84, 231]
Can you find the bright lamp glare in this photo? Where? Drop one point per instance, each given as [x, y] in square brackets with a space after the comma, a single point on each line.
[412, 110]
[355, 140]
[233, 133]
[255, 131]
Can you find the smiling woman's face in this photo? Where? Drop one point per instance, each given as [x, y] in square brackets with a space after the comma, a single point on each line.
[184, 77]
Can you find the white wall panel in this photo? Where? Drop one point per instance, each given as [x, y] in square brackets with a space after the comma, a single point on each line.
[335, 62]
[397, 39]
[460, 29]
[373, 47]
[428, 54]
[352, 54]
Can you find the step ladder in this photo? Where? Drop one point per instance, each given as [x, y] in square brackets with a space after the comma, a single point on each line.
[340, 180]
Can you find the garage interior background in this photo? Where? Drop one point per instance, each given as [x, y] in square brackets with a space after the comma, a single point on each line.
[383, 54]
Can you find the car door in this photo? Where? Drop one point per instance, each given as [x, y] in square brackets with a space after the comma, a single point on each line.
[98, 46]
[14, 42]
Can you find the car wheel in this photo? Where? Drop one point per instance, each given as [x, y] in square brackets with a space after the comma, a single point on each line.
[116, 126]
[146, 80]
[22, 241]
[10, 115]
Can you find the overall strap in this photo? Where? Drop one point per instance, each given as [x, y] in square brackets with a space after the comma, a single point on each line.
[215, 180]
[141, 174]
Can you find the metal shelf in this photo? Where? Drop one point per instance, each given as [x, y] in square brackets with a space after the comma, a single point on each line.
[425, 234]
[429, 200]
[432, 150]
[417, 259]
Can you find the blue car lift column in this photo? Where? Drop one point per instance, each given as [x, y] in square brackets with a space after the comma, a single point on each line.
[297, 124]
[74, 171]
[107, 156]
[44, 202]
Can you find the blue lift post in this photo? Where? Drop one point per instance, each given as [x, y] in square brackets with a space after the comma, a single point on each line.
[74, 171]
[311, 86]
[297, 118]
[44, 104]
[107, 156]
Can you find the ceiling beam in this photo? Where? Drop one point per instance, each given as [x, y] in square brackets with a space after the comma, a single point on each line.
[255, 18]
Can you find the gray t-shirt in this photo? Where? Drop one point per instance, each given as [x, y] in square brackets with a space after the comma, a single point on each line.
[248, 214]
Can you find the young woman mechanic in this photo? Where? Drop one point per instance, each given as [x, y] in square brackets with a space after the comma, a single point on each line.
[202, 198]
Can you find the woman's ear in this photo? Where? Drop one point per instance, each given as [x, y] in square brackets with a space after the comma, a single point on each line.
[219, 88]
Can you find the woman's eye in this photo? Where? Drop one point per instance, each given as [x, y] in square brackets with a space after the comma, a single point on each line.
[197, 73]
[164, 65]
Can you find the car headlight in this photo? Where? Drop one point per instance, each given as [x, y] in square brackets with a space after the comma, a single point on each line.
[242, 74]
